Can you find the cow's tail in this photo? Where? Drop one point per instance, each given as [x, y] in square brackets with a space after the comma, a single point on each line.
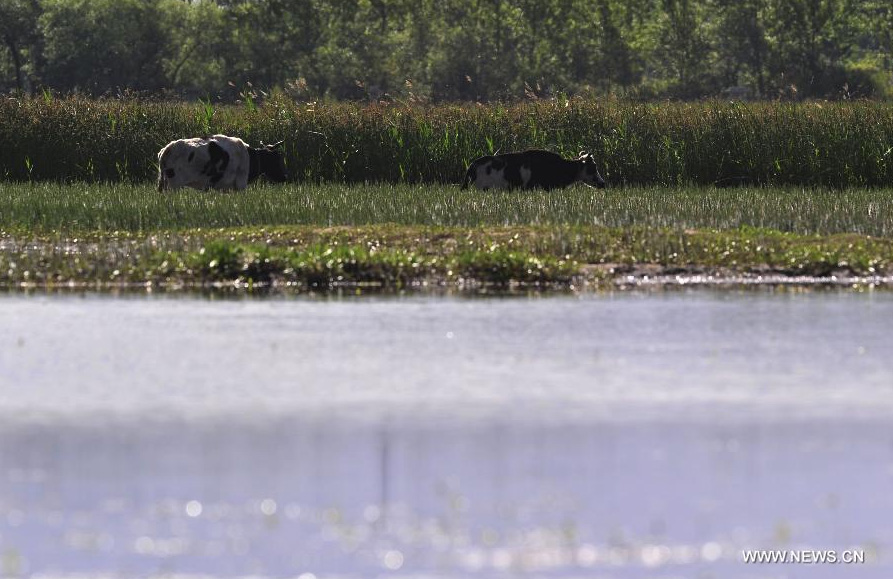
[469, 175]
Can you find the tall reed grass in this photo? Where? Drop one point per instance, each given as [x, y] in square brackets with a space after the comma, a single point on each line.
[834, 144]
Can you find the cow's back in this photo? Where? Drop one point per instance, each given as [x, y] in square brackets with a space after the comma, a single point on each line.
[548, 170]
[539, 159]
[537, 168]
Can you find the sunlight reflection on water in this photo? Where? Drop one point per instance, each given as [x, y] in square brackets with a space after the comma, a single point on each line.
[614, 436]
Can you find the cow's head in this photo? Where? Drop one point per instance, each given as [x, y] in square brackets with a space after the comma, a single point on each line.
[588, 171]
[268, 160]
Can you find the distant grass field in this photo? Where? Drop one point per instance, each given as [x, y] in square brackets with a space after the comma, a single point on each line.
[391, 236]
[110, 207]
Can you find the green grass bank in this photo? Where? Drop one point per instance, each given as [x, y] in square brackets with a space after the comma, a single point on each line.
[316, 237]
[84, 207]
[302, 258]
[846, 144]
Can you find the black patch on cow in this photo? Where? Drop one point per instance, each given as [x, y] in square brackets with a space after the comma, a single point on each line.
[169, 173]
[191, 156]
[217, 163]
[512, 174]
[548, 170]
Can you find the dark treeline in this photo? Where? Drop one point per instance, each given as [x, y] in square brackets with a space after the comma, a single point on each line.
[445, 50]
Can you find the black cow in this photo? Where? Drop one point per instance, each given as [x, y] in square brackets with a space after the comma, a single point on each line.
[530, 169]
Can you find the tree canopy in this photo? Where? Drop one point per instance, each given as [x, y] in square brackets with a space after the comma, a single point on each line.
[445, 50]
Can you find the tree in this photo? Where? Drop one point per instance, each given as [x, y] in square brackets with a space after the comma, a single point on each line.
[741, 45]
[18, 31]
[269, 42]
[615, 51]
[480, 49]
[682, 48]
[99, 46]
[809, 42]
[449, 49]
[197, 36]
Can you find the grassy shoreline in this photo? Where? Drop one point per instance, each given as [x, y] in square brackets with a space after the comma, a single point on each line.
[386, 237]
[394, 257]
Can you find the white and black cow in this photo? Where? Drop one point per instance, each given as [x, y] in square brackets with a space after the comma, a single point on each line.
[218, 162]
[531, 169]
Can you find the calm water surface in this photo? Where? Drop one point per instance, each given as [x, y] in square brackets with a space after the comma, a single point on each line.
[622, 436]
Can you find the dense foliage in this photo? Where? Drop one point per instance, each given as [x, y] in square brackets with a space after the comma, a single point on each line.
[836, 144]
[448, 49]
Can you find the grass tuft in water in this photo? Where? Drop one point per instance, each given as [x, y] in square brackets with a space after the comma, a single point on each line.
[395, 256]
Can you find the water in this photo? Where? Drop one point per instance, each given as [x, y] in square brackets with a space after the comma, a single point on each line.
[623, 436]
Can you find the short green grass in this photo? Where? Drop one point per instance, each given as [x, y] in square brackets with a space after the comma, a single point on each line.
[122, 207]
[323, 236]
